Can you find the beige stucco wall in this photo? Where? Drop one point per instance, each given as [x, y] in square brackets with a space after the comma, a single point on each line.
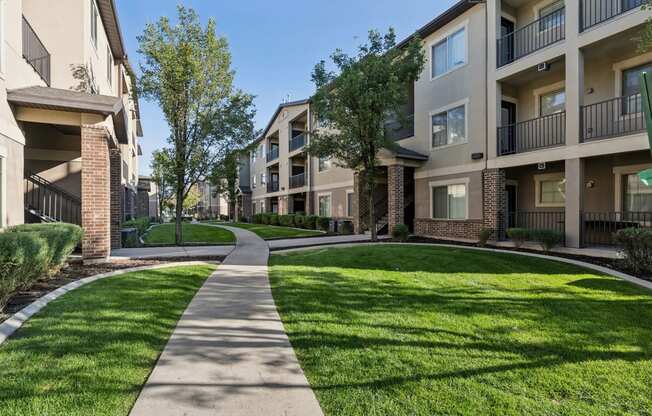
[474, 193]
[11, 185]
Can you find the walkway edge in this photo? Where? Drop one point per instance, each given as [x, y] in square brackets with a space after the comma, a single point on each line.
[605, 270]
[12, 324]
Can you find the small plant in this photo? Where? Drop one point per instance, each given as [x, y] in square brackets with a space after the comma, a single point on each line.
[310, 222]
[636, 244]
[401, 232]
[266, 218]
[324, 223]
[273, 219]
[286, 220]
[548, 239]
[484, 236]
[140, 224]
[346, 227]
[299, 220]
[519, 236]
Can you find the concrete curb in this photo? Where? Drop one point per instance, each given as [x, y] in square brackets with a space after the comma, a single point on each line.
[605, 270]
[12, 324]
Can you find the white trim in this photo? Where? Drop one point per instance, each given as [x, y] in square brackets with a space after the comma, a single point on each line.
[330, 203]
[330, 186]
[464, 25]
[536, 8]
[453, 170]
[3, 47]
[537, 189]
[622, 66]
[546, 89]
[448, 182]
[348, 192]
[619, 172]
[509, 17]
[463, 102]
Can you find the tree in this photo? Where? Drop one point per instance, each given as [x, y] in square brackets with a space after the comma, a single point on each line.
[186, 69]
[224, 178]
[162, 176]
[354, 104]
[192, 199]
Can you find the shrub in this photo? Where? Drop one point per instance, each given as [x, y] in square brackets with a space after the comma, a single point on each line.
[266, 218]
[548, 239]
[61, 238]
[401, 232]
[273, 219]
[140, 224]
[518, 236]
[299, 220]
[130, 240]
[346, 227]
[636, 244]
[323, 223]
[484, 236]
[310, 222]
[286, 220]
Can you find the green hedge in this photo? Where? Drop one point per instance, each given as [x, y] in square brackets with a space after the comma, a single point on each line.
[33, 251]
[323, 223]
[548, 239]
[401, 232]
[637, 247]
[310, 222]
[140, 224]
[274, 219]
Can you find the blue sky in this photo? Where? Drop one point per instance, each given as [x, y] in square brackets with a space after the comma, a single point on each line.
[274, 44]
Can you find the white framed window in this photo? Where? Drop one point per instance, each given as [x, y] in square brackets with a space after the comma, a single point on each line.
[553, 102]
[109, 65]
[449, 53]
[325, 163]
[94, 22]
[253, 156]
[449, 200]
[349, 203]
[550, 190]
[324, 204]
[253, 181]
[549, 21]
[631, 194]
[449, 126]
[263, 178]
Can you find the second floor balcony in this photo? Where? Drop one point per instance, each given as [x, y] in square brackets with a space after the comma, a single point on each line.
[595, 12]
[297, 142]
[297, 181]
[538, 133]
[620, 116]
[35, 53]
[273, 154]
[273, 186]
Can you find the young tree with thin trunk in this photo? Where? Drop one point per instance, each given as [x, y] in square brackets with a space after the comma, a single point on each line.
[224, 178]
[354, 104]
[186, 69]
[162, 176]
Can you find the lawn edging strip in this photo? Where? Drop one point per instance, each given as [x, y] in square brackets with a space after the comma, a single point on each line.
[13, 323]
[605, 270]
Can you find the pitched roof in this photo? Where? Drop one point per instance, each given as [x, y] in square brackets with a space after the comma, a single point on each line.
[277, 112]
[109, 15]
[403, 153]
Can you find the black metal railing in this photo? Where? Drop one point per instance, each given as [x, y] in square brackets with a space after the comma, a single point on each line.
[598, 228]
[538, 133]
[543, 32]
[35, 52]
[49, 202]
[297, 142]
[594, 12]
[537, 220]
[297, 181]
[395, 131]
[272, 154]
[619, 116]
[273, 186]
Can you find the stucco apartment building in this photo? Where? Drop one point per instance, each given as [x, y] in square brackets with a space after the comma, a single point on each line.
[528, 114]
[69, 119]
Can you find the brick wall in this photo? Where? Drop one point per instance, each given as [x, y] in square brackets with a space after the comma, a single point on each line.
[95, 183]
[142, 203]
[116, 197]
[493, 201]
[396, 196]
[359, 204]
[469, 229]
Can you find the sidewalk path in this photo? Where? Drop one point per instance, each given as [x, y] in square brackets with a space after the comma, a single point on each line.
[316, 241]
[229, 354]
[170, 252]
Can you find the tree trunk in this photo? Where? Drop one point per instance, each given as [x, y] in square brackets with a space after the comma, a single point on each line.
[371, 187]
[178, 236]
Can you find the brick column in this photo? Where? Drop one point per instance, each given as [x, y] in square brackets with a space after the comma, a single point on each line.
[247, 206]
[395, 196]
[116, 197]
[359, 204]
[95, 184]
[493, 201]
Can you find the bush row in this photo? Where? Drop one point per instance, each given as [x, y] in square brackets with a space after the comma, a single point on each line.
[32, 251]
[548, 239]
[309, 222]
[636, 244]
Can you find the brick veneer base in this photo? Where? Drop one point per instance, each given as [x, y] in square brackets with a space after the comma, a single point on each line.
[469, 229]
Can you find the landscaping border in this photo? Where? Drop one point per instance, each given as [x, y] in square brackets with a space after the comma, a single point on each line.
[605, 270]
[13, 323]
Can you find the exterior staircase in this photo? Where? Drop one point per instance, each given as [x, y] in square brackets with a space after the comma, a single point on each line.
[46, 202]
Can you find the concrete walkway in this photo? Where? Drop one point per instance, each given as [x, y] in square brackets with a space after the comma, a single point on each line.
[317, 241]
[170, 252]
[229, 354]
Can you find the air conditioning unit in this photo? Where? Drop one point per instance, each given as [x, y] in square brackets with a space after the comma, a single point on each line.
[544, 67]
[541, 166]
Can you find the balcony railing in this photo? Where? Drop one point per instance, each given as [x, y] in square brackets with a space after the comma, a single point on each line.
[49, 202]
[594, 12]
[272, 187]
[619, 116]
[543, 32]
[598, 228]
[35, 53]
[297, 142]
[272, 154]
[395, 131]
[297, 181]
[538, 133]
[537, 220]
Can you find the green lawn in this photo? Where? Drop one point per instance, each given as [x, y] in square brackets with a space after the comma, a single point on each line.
[268, 232]
[391, 330]
[192, 234]
[90, 351]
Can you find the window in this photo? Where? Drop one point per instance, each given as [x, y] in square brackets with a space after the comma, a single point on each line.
[449, 54]
[550, 190]
[109, 65]
[449, 127]
[349, 204]
[449, 202]
[253, 156]
[94, 17]
[553, 21]
[637, 196]
[324, 164]
[324, 205]
[552, 103]
[263, 179]
[631, 88]
[253, 181]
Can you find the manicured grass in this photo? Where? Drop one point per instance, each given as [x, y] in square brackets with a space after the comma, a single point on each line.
[192, 234]
[90, 351]
[389, 330]
[267, 232]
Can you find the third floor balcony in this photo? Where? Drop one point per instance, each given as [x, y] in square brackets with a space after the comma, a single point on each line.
[595, 12]
[297, 142]
[35, 53]
[537, 133]
[273, 154]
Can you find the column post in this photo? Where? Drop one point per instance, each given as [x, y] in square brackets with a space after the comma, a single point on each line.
[396, 197]
[574, 202]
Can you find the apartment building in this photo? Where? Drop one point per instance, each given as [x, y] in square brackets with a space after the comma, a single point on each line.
[69, 119]
[528, 114]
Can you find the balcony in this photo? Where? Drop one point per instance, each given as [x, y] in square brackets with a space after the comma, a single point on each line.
[598, 228]
[35, 53]
[272, 187]
[297, 181]
[297, 142]
[616, 117]
[395, 131]
[595, 12]
[537, 133]
[272, 155]
[537, 35]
